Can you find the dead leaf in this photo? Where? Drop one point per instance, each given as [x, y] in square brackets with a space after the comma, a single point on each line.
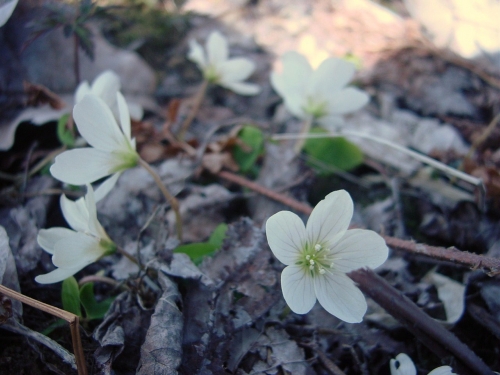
[215, 162]
[39, 95]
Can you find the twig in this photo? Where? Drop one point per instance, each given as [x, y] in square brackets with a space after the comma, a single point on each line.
[72, 319]
[198, 98]
[437, 338]
[490, 266]
[327, 362]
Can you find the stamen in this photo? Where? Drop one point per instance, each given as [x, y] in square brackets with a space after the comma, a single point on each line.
[311, 262]
[308, 257]
[331, 265]
[322, 271]
[317, 247]
[311, 267]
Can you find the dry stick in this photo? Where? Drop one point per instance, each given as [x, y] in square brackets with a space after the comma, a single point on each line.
[168, 196]
[72, 319]
[490, 266]
[441, 341]
[194, 110]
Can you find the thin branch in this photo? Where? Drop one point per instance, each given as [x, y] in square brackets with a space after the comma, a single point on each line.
[198, 98]
[437, 338]
[72, 319]
[490, 266]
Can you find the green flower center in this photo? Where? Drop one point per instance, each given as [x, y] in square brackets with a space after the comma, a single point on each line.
[315, 108]
[108, 247]
[211, 74]
[315, 259]
[128, 159]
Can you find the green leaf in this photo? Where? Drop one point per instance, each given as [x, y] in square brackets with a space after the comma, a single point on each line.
[66, 136]
[247, 156]
[327, 154]
[93, 309]
[197, 251]
[70, 295]
[218, 235]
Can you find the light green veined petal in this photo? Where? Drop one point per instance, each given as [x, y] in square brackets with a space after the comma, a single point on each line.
[47, 238]
[105, 86]
[331, 76]
[217, 49]
[347, 100]
[196, 54]
[77, 250]
[124, 115]
[340, 297]
[286, 235]
[95, 228]
[82, 90]
[402, 365]
[298, 289]
[242, 88]
[443, 370]
[59, 274]
[235, 70]
[75, 213]
[104, 188]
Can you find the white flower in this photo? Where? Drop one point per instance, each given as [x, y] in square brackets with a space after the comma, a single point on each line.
[403, 365]
[6, 10]
[112, 151]
[217, 68]
[320, 254]
[74, 249]
[320, 94]
[106, 85]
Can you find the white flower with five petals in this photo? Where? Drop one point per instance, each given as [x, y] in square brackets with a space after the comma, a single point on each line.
[318, 94]
[112, 151]
[74, 249]
[319, 255]
[403, 365]
[106, 85]
[218, 69]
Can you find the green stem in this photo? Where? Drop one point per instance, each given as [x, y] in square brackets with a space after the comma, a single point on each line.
[168, 196]
[306, 126]
[194, 110]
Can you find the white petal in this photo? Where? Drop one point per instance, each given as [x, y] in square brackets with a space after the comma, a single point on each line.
[295, 75]
[97, 125]
[95, 228]
[59, 274]
[6, 10]
[136, 111]
[298, 289]
[443, 370]
[82, 90]
[295, 103]
[75, 213]
[242, 88]
[77, 250]
[330, 218]
[347, 100]
[84, 165]
[47, 238]
[331, 123]
[106, 187]
[340, 297]
[216, 48]
[196, 54]
[286, 236]
[124, 115]
[105, 86]
[402, 365]
[359, 248]
[235, 70]
[331, 76]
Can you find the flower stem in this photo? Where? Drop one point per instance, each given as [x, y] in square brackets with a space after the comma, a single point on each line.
[132, 258]
[424, 159]
[168, 196]
[198, 98]
[306, 126]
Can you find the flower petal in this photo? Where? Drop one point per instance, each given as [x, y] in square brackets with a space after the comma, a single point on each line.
[347, 100]
[402, 365]
[105, 86]
[77, 250]
[196, 54]
[242, 88]
[82, 90]
[95, 228]
[295, 75]
[59, 274]
[340, 297]
[443, 370]
[75, 213]
[331, 123]
[359, 248]
[217, 49]
[235, 70]
[97, 125]
[106, 187]
[84, 165]
[331, 76]
[124, 115]
[330, 218]
[47, 238]
[294, 102]
[298, 289]
[286, 236]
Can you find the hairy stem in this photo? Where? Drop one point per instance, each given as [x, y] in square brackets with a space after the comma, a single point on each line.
[168, 196]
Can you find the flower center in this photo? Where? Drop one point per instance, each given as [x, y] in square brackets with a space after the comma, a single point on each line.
[316, 259]
[211, 74]
[128, 159]
[315, 108]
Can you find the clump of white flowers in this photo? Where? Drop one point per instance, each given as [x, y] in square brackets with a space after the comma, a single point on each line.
[219, 69]
[112, 148]
[319, 254]
[318, 95]
[74, 249]
[403, 365]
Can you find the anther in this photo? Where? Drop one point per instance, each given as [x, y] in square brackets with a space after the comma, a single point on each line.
[331, 265]
[322, 271]
[317, 247]
[308, 257]
[311, 262]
